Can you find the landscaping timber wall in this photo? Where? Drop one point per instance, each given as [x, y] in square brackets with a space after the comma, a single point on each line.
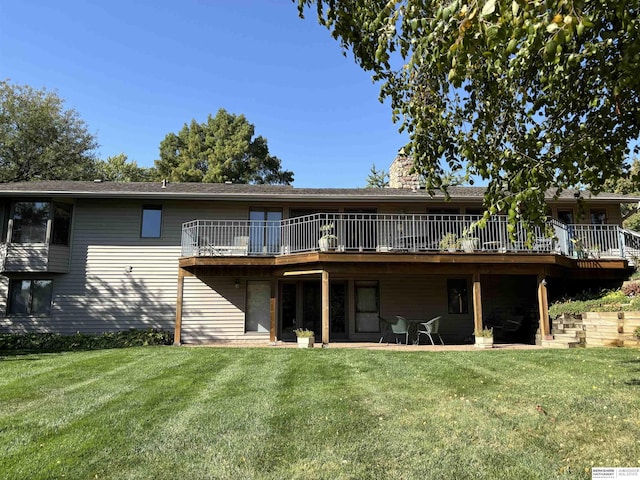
[610, 329]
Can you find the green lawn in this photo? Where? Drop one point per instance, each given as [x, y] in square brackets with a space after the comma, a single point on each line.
[267, 413]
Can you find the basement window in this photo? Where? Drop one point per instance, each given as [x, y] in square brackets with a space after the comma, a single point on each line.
[30, 297]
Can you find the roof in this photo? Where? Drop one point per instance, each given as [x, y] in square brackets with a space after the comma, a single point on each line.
[224, 191]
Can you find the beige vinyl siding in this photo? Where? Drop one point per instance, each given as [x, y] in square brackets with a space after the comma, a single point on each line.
[100, 293]
[26, 257]
[4, 292]
[4, 218]
[59, 256]
[36, 258]
[212, 309]
[425, 297]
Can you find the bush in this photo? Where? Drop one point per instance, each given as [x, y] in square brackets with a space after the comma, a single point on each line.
[54, 342]
[631, 289]
[602, 301]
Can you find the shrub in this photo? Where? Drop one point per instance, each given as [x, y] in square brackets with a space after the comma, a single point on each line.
[631, 289]
[602, 301]
[54, 342]
[303, 333]
[485, 332]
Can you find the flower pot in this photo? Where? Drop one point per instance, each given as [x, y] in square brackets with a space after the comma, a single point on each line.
[305, 342]
[327, 243]
[484, 342]
[471, 244]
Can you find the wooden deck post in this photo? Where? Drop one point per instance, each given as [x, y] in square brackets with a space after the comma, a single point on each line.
[477, 303]
[325, 307]
[543, 307]
[273, 310]
[177, 333]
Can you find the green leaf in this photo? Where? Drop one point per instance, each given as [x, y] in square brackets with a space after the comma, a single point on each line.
[489, 8]
[515, 8]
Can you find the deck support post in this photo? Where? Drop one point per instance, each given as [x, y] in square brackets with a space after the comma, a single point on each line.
[272, 311]
[543, 307]
[477, 303]
[177, 333]
[325, 307]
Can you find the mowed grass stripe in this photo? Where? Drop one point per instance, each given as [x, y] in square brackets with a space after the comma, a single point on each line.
[286, 413]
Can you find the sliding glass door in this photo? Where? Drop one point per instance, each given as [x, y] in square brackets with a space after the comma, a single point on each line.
[264, 231]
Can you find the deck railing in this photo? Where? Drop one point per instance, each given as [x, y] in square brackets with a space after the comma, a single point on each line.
[355, 232]
[367, 233]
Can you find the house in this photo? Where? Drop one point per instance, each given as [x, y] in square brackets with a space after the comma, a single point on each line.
[244, 262]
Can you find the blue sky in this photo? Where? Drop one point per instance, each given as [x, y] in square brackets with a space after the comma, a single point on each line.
[137, 70]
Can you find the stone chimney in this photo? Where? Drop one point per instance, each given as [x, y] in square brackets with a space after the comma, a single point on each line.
[399, 176]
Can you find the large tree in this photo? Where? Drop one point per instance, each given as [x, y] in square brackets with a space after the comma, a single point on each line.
[40, 139]
[528, 95]
[221, 149]
[119, 169]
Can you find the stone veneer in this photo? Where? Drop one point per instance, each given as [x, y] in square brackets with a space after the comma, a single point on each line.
[399, 176]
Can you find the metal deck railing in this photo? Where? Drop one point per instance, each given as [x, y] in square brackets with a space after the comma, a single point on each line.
[353, 232]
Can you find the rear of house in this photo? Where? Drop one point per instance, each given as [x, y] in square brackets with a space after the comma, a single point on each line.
[244, 262]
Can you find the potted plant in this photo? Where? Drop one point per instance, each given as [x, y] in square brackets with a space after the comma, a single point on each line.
[484, 338]
[305, 337]
[449, 242]
[470, 244]
[578, 247]
[327, 241]
[636, 334]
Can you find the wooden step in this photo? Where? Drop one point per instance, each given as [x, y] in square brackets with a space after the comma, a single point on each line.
[560, 344]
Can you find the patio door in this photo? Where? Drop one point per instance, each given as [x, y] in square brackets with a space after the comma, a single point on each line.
[264, 231]
[301, 307]
[312, 308]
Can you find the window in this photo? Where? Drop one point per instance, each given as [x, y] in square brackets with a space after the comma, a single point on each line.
[565, 216]
[474, 211]
[61, 224]
[30, 297]
[258, 316]
[598, 217]
[443, 211]
[151, 221]
[30, 222]
[458, 296]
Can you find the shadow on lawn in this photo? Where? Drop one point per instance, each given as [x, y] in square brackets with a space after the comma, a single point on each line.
[634, 382]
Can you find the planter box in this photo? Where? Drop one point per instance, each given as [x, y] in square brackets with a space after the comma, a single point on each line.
[305, 342]
[484, 342]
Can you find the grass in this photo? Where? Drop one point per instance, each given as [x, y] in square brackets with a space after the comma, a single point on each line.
[265, 413]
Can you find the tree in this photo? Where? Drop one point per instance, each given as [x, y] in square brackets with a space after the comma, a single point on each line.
[117, 169]
[40, 139]
[628, 184]
[377, 178]
[221, 149]
[527, 95]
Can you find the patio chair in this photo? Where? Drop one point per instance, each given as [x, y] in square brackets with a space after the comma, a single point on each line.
[401, 327]
[429, 329]
[385, 327]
